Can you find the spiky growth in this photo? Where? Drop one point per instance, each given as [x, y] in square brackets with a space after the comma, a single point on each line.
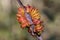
[29, 17]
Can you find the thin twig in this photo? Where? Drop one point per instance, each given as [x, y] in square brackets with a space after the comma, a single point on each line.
[20, 3]
[39, 38]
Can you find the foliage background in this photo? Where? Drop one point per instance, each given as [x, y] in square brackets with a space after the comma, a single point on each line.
[10, 28]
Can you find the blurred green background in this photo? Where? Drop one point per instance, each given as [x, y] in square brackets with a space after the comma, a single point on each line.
[10, 28]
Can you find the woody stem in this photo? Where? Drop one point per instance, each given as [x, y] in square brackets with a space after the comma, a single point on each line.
[20, 3]
[39, 38]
